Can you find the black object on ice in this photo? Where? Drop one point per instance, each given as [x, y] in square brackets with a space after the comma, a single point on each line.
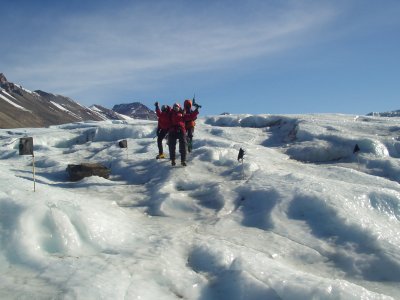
[356, 149]
[241, 154]
[123, 144]
[78, 172]
[26, 146]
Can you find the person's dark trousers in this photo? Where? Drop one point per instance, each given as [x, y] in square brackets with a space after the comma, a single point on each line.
[160, 137]
[172, 137]
[189, 132]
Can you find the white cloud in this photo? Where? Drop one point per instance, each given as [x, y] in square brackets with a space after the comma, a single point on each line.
[142, 43]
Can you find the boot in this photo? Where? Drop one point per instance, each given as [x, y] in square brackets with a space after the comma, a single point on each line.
[183, 163]
[162, 155]
[173, 162]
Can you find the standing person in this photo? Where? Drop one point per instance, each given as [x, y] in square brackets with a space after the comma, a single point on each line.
[164, 124]
[190, 118]
[177, 132]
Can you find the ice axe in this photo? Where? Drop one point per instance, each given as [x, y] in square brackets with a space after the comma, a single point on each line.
[194, 102]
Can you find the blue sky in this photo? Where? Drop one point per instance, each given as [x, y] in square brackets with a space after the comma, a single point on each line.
[266, 56]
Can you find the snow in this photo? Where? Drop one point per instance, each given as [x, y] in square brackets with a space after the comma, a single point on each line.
[125, 117]
[11, 102]
[99, 112]
[95, 108]
[59, 106]
[26, 90]
[7, 94]
[302, 218]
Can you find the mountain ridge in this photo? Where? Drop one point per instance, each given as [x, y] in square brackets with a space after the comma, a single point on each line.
[20, 107]
[393, 113]
[135, 110]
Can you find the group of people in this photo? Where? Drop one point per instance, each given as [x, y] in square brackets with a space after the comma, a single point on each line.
[178, 124]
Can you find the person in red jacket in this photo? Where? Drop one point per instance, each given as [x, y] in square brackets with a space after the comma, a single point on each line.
[190, 118]
[177, 132]
[164, 124]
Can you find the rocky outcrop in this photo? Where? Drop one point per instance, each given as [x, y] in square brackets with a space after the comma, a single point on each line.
[78, 172]
[135, 110]
[3, 79]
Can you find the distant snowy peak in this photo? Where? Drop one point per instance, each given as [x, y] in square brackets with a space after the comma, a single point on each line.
[108, 114]
[394, 113]
[135, 110]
